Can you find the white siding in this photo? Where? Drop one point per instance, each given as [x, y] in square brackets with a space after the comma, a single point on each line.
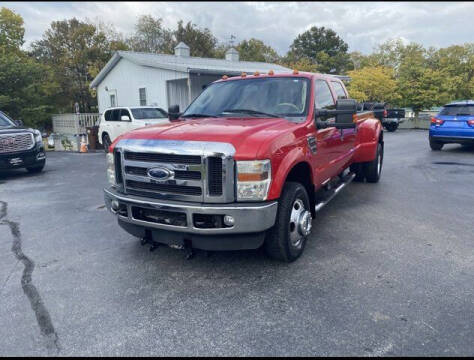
[126, 78]
[197, 82]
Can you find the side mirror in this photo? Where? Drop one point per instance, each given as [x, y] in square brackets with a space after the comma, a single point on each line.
[19, 123]
[345, 109]
[125, 118]
[173, 112]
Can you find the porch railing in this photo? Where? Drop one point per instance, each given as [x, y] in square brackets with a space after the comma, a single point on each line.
[73, 124]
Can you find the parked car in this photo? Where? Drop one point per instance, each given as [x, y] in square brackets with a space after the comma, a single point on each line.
[20, 147]
[389, 117]
[453, 124]
[249, 163]
[119, 120]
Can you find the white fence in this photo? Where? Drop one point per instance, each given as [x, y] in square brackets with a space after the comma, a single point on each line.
[73, 124]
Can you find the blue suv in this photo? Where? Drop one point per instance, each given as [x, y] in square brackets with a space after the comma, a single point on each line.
[453, 124]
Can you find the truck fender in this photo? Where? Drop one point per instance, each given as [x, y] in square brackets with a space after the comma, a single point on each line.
[369, 134]
[283, 168]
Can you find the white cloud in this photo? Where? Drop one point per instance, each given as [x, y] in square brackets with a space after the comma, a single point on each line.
[361, 25]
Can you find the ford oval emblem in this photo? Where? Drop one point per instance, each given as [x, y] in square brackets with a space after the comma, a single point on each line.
[160, 173]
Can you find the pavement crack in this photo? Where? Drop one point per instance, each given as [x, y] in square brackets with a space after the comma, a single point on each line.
[41, 312]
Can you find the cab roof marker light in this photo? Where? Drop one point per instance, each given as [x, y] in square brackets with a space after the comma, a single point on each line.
[256, 73]
[225, 77]
[270, 72]
[295, 72]
[244, 74]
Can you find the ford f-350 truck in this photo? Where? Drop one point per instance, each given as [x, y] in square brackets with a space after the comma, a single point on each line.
[249, 163]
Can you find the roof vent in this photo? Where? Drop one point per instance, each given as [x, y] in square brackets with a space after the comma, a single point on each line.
[232, 55]
[181, 49]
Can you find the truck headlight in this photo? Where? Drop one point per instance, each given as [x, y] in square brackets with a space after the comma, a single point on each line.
[38, 137]
[253, 180]
[111, 168]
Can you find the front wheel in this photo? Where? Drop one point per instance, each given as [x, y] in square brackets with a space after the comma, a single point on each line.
[435, 145]
[106, 142]
[286, 240]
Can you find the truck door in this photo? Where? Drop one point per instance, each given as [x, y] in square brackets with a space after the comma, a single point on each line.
[328, 140]
[347, 136]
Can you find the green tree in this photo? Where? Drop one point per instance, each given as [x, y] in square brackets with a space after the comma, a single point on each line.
[200, 41]
[11, 30]
[322, 47]
[256, 50]
[419, 85]
[304, 64]
[27, 88]
[151, 36]
[457, 63]
[76, 50]
[373, 84]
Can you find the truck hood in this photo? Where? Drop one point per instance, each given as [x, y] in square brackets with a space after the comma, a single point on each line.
[247, 134]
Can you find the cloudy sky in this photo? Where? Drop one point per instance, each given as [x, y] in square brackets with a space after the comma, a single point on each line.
[361, 25]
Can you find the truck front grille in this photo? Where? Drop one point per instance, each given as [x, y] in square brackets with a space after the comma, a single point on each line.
[16, 142]
[214, 171]
[164, 188]
[163, 158]
[197, 171]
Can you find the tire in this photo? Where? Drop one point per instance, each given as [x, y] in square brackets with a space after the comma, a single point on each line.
[358, 170]
[391, 127]
[35, 169]
[373, 169]
[284, 240]
[106, 142]
[435, 145]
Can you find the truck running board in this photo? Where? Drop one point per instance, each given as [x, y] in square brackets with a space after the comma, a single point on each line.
[346, 180]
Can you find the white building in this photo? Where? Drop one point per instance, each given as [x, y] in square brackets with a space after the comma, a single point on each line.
[132, 78]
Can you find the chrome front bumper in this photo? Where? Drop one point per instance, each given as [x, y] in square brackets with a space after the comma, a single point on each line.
[249, 217]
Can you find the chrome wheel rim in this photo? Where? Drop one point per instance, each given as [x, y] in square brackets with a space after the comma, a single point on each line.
[300, 223]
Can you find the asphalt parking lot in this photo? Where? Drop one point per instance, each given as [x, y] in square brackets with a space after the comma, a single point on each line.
[389, 270]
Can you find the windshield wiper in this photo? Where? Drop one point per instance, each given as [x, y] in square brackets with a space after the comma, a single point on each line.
[248, 111]
[198, 115]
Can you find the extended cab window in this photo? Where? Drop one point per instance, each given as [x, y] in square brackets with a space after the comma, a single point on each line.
[337, 86]
[322, 96]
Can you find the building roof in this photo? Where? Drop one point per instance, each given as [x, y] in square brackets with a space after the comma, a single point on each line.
[188, 64]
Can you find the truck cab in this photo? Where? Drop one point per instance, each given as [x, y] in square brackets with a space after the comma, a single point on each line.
[249, 163]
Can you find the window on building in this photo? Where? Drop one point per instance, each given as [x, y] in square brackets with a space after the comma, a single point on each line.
[112, 100]
[142, 95]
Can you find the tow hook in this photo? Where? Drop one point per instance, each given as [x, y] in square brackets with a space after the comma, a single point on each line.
[188, 251]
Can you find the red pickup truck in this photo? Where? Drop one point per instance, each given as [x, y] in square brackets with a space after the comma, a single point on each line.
[249, 163]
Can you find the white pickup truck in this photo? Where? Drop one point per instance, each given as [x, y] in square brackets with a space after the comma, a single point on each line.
[119, 120]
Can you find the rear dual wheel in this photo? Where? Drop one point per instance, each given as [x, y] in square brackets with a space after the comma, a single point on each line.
[372, 170]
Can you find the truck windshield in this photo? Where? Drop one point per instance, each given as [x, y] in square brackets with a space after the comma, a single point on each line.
[264, 97]
[5, 121]
[148, 113]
